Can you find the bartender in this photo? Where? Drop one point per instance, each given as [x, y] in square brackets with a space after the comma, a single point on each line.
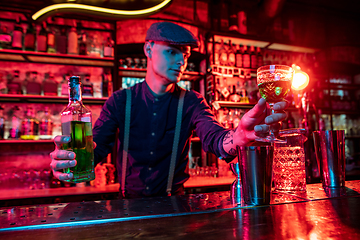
[162, 118]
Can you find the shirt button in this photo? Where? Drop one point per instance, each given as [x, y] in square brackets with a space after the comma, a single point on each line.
[147, 188]
[149, 168]
[151, 153]
[154, 114]
[152, 134]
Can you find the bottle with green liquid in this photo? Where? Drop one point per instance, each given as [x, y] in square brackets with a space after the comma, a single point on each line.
[76, 122]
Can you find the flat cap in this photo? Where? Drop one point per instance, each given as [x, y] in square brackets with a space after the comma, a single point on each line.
[171, 33]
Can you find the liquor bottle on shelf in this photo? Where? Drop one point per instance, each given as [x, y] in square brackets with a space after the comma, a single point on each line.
[246, 57]
[234, 97]
[25, 82]
[83, 45]
[30, 37]
[223, 56]
[236, 117]
[61, 41]
[107, 85]
[253, 58]
[2, 123]
[109, 48]
[46, 125]
[95, 47]
[50, 85]
[239, 56]
[41, 40]
[51, 47]
[3, 83]
[72, 47]
[231, 55]
[15, 127]
[33, 87]
[259, 56]
[63, 89]
[76, 122]
[17, 36]
[87, 87]
[14, 83]
[5, 38]
[28, 125]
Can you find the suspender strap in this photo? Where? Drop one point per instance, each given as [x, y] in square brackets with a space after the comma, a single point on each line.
[126, 139]
[176, 142]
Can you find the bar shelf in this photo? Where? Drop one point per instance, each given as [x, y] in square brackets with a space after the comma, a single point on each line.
[47, 58]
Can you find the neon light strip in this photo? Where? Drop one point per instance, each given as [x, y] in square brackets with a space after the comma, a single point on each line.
[98, 9]
[112, 220]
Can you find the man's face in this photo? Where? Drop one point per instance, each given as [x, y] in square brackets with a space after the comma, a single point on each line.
[169, 61]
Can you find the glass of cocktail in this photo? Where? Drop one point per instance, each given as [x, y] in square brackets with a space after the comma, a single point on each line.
[274, 83]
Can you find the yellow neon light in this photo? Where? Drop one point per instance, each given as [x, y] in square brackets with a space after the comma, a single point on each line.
[98, 9]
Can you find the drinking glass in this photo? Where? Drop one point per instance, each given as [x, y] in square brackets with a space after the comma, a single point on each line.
[274, 83]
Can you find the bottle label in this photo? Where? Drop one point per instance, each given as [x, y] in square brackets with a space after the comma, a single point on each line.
[108, 51]
[246, 59]
[51, 40]
[231, 59]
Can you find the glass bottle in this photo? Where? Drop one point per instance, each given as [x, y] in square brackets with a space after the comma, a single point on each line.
[246, 57]
[61, 41]
[231, 55]
[87, 87]
[17, 36]
[46, 125]
[14, 83]
[2, 123]
[239, 57]
[83, 50]
[109, 48]
[34, 86]
[259, 56]
[253, 58]
[95, 47]
[51, 47]
[41, 39]
[27, 125]
[63, 85]
[5, 38]
[29, 39]
[223, 57]
[15, 127]
[234, 97]
[50, 85]
[76, 122]
[107, 85]
[3, 87]
[72, 47]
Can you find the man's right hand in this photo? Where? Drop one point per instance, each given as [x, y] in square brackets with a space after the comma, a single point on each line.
[61, 159]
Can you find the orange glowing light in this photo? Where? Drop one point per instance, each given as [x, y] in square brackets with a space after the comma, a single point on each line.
[300, 80]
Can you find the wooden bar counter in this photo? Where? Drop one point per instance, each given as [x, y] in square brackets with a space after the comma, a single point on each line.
[315, 214]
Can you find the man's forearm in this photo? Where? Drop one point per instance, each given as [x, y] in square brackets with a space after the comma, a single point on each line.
[228, 143]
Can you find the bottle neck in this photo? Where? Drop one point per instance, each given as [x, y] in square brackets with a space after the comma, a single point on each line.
[75, 93]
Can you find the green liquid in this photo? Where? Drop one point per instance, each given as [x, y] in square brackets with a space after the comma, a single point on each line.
[275, 91]
[82, 145]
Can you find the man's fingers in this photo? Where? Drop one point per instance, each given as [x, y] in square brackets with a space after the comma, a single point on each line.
[62, 176]
[61, 164]
[279, 106]
[58, 140]
[276, 117]
[62, 154]
[258, 109]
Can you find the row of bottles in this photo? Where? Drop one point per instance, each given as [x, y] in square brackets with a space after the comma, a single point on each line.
[226, 53]
[236, 55]
[55, 39]
[48, 86]
[235, 89]
[28, 127]
[141, 63]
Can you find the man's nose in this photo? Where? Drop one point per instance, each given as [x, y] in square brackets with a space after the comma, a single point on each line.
[181, 60]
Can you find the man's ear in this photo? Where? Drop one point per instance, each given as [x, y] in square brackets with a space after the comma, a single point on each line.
[147, 49]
